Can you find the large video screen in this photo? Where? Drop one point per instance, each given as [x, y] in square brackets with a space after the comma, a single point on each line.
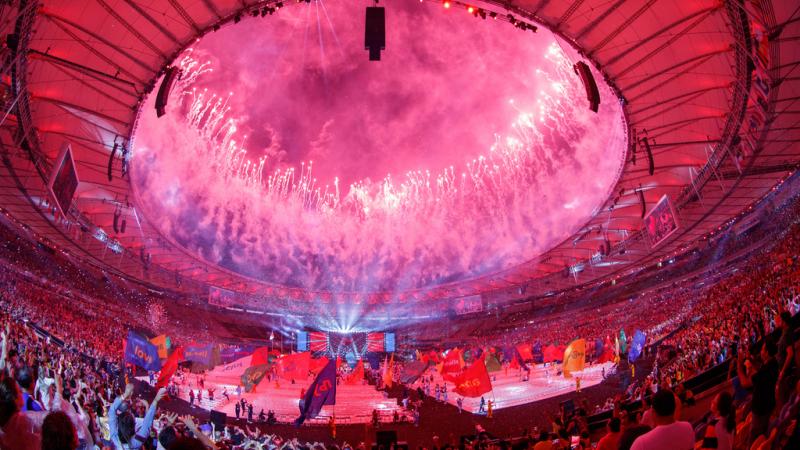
[468, 305]
[302, 341]
[340, 343]
[221, 297]
[661, 222]
[64, 180]
[390, 344]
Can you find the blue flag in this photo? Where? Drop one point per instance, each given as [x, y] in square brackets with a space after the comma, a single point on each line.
[321, 392]
[141, 352]
[508, 353]
[636, 346]
[374, 360]
[199, 353]
[538, 356]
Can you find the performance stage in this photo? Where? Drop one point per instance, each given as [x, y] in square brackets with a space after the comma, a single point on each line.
[509, 389]
[355, 403]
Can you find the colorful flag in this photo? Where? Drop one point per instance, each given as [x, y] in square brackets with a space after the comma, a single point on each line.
[294, 367]
[169, 368]
[637, 345]
[139, 351]
[230, 373]
[357, 376]
[492, 364]
[606, 356]
[387, 372]
[474, 381]
[253, 375]
[321, 392]
[538, 356]
[623, 341]
[374, 360]
[574, 357]
[263, 355]
[199, 353]
[163, 344]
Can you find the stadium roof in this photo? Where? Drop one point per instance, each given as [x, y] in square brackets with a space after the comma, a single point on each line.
[712, 85]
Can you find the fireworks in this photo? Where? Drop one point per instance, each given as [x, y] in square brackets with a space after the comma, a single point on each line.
[486, 210]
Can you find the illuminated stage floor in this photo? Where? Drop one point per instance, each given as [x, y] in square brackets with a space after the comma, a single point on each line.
[354, 404]
[509, 390]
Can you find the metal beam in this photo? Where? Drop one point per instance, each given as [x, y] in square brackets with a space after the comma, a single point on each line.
[185, 15]
[610, 37]
[663, 46]
[678, 97]
[569, 12]
[113, 13]
[152, 21]
[102, 56]
[211, 8]
[66, 104]
[591, 26]
[697, 61]
[659, 33]
[103, 77]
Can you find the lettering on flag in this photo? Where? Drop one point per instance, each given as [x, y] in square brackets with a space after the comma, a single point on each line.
[574, 357]
[321, 392]
[474, 381]
[139, 351]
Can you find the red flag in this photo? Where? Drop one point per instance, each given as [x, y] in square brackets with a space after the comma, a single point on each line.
[451, 377]
[514, 363]
[260, 356]
[475, 381]
[525, 352]
[357, 376]
[551, 353]
[169, 368]
[294, 367]
[608, 355]
[453, 362]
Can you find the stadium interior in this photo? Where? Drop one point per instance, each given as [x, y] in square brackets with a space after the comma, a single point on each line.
[400, 224]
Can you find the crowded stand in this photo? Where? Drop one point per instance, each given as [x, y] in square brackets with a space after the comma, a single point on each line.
[63, 365]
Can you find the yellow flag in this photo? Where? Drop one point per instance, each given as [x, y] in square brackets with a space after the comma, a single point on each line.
[574, 357]
[387, 375]
[163, 344]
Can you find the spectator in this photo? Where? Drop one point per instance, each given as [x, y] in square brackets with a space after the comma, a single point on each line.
[123, 426]
[611, 440]
[58, 432]
[720, 428]
[762, 382]
[668, 434]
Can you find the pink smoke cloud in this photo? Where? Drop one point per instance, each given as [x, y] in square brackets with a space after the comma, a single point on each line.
[525, 173]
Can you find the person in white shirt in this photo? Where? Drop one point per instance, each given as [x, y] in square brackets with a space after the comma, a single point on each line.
[668, 434]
